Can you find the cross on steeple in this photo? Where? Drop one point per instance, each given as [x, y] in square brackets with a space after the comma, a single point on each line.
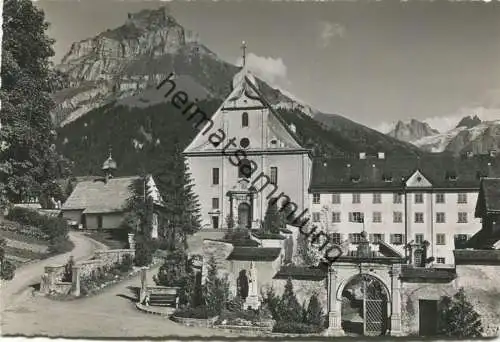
[244, 48]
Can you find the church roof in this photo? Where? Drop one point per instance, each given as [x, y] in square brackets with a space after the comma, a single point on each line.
[390, 173]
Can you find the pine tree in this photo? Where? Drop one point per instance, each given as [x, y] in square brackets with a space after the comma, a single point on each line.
[289, 308]
[458, 317]
[30, 162]
[314, 315]
[272, 220]
[182, 214]
[216, 290]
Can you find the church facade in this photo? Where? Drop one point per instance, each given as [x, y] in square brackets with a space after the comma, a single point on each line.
[243, 157]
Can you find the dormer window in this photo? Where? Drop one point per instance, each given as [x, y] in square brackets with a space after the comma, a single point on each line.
[387, 178]
[244, 119]
[274, 143]
[451, 176]
[355, 178]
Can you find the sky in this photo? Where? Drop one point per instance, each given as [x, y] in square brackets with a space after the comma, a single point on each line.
[372, 62]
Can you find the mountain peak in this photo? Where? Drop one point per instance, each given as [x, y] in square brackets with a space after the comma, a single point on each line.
[410, 131]
[469, 121]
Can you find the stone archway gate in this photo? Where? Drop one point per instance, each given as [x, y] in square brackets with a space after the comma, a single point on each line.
[341, 273]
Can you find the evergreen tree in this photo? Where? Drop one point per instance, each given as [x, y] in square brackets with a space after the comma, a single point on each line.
[29, 160]
[314, 315]
[216, 290]
[289, 308]
[182, 215]
[272, 220]
[458, 317]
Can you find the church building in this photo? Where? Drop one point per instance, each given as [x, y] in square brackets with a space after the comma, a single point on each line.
[245, 156]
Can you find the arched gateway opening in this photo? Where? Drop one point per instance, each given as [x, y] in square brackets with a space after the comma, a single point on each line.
[365, 306]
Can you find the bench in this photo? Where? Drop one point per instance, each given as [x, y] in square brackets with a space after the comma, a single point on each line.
[162, 296]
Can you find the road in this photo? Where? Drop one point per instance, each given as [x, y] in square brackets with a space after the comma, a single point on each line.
[111, 313]
[29, 274]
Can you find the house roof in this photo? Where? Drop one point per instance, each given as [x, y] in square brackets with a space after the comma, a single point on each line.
[442, 171]
[254, 254]
[477, 257]
[490, 194]
[97, 196]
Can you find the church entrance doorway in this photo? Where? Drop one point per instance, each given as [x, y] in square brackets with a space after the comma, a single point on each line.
[364, 306]
[244, 217]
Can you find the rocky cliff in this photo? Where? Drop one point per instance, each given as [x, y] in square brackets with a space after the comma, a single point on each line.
[479, 139]
[411, 131]
[137, 55]
[470, 135]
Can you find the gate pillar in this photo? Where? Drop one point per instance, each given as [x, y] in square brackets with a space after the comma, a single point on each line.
[396, 301]
[334, 306]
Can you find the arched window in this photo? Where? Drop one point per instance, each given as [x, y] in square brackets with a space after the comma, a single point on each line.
[244, 119]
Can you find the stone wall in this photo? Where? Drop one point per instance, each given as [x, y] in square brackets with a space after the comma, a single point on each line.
[411, 293]
[53, 274]
[109, 257]
[481, 285]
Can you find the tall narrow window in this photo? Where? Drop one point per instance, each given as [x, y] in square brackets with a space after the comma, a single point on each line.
[215, 176]
[274, 175]
[215, 203]
[244, 119]
[462, 198]
[336, 198]
[356, 198]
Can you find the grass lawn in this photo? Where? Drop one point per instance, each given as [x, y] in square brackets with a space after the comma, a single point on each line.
[20, 237]
[23, 253]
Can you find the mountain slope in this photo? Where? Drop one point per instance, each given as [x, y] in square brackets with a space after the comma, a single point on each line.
[121, 67]
[143, 137]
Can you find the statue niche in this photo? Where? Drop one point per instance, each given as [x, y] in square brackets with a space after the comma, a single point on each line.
[243, 285]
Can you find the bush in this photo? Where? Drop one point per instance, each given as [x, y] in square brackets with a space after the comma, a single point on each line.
[8, 270]
[126, 264]
[289, 308]
[314, 313]
[458, 318]
[68, 270]
[271, 302]
[296, 328]
[55, 228]
[200, 312]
